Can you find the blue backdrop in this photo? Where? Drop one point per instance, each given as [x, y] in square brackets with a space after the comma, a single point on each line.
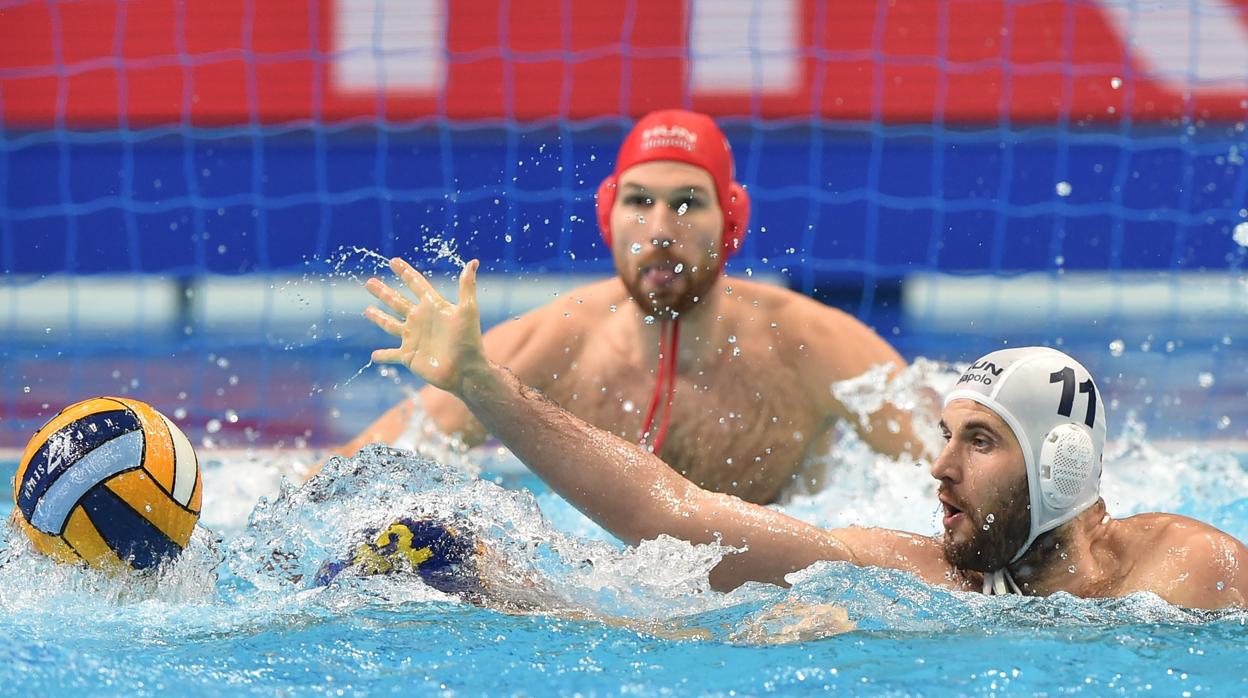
[843, 206]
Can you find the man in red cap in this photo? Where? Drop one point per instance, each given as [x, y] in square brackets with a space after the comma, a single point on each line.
[727, 379]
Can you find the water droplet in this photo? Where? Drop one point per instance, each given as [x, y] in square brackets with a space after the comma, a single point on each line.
[433, 362]
[683, 208]
[1115, 82]
[1116, 347]
[1205, 379]
[679, 268]
[635, 248]
[613, 308]
[179, 413]
[990, 518]
[1241, 234]
[147, 508]
[1224, 422]
[986, 527]
[1220, 585]
[649, 319]
[732, 339]
[26, 389]
[1062, 188]
[1071, 569]
[628, 406]
[213, 426]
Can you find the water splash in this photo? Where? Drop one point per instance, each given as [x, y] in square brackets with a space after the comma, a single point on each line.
[914, 390]
[63, 590]
[531, 563]
[441, 249]
[355, 375]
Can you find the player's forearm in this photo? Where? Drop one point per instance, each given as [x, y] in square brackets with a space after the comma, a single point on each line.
[451, 416]
[631, 493]
[635, 495]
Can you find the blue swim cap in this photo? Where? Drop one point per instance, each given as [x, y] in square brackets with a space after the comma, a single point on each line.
[1052, 405]
[443, 557]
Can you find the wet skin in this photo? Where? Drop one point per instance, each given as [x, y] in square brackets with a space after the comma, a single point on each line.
[636, 496]
[752, 403]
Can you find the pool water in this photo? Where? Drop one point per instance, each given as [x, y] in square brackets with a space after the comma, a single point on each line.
[571, 611]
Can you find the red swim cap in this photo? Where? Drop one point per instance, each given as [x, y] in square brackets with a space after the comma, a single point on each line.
[689, 137]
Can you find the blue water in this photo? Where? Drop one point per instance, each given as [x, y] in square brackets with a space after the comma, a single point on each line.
[573, 612]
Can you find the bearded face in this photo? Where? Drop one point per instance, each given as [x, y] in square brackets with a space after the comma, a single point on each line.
[665, 281]
[983, 488]
[992, 532]
[666, 229]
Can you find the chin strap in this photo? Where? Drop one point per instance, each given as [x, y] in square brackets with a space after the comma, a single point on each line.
[664, 383]
[999, 583]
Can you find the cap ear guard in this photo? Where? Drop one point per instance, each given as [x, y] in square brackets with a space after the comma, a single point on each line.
[736, 214]
[605, 200]
[1067, 462]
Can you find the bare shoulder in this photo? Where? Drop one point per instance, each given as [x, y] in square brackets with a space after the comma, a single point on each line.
[562, 322]
[828, 339]
[1187, 562]
[775, 299]
[795, 316]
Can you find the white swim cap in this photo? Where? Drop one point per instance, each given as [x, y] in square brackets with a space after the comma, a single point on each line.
[1053, 406]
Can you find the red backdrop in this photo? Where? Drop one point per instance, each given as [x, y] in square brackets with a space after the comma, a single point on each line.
[230, 61]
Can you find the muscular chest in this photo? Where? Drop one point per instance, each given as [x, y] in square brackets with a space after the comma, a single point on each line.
[737, 426]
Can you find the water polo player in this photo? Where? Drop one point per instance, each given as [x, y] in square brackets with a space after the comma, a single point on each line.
[673, 354]
[441, 555]
[1019, 478]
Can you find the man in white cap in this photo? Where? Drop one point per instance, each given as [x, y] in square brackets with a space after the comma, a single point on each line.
[1019, 477]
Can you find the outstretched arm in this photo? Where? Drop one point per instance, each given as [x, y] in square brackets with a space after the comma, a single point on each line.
[625, 489]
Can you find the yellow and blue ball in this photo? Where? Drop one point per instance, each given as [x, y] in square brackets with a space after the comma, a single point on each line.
[110, 482]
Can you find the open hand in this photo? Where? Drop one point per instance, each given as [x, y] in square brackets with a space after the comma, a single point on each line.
[440, 341]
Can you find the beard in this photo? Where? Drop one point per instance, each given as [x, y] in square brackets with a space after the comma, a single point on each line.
[679, 293]
[991, 549]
